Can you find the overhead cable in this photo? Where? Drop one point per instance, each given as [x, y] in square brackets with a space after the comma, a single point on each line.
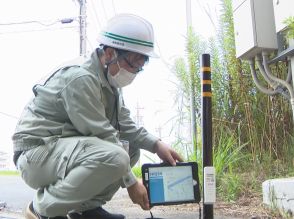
[63, 21]
[95, 14]
[113, 5]
[9, 115]
[37, 30]
[104, 10]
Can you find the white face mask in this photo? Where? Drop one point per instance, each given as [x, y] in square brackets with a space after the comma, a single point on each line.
[121, 79]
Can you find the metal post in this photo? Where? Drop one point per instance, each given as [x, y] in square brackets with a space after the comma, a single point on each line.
[83, 37]
[291, 43]
[193, 117]
[192, 88]
[206, 122]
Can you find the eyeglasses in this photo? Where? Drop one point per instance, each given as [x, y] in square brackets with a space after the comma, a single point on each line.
[138, 69]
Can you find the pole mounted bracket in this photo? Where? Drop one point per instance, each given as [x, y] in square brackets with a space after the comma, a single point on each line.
[283, 55]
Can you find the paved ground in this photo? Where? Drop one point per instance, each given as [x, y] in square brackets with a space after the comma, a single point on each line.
[16, 195]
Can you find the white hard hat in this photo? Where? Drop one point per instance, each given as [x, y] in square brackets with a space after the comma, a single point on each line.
[129, 32]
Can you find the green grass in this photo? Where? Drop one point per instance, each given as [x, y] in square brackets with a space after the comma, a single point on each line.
[229, 187]
[9, 173]
[137, 171]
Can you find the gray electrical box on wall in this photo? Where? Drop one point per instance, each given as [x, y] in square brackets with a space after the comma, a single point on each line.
[254, 25]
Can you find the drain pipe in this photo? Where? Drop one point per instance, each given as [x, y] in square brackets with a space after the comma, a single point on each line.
[271, 82]
[289, 76]
[256, 81]
[275, 85]
[274, 78]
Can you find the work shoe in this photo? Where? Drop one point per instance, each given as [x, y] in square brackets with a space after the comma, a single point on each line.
[30, 213]
[96, 213]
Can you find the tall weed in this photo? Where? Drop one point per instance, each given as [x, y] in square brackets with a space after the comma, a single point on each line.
[229, 187]
[227, 154]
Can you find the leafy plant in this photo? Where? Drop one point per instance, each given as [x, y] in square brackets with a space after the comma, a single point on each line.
[9, 173]
[137, 171]
[290, 29]
[229, 187]
[227, 153]
[252, 132]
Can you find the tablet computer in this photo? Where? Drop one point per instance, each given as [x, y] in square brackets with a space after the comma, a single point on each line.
[168, 185]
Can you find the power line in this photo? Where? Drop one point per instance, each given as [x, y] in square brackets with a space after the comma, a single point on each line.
[166, 63]
[37, 30]
[95, 13]
[113, 5]
[103, 7]
[63, 21]
[8, 115]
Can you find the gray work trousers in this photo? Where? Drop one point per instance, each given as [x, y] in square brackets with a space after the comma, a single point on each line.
[74, 173]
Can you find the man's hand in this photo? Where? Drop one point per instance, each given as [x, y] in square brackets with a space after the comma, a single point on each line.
[138, 195]
[167, 154]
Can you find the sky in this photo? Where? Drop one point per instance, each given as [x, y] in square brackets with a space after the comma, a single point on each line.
[29, 51]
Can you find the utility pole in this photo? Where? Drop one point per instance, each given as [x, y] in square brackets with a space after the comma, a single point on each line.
[140, 123]
[192, 87]
[83, 26]
[139, 117]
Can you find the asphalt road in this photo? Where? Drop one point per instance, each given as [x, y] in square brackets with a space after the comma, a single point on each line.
[17, 195]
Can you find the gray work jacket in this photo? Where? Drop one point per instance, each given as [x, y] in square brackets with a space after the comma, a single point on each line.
[77, 100]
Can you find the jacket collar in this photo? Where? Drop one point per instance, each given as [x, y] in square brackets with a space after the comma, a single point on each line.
[94, 65]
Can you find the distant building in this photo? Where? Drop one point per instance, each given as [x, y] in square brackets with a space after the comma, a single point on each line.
[4, 161]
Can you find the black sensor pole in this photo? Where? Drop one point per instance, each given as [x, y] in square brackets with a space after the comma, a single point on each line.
[206, 121]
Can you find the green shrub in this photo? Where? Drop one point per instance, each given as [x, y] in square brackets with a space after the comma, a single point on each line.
[9, 173]
[229, 187]
[137, 171]
[290, 23]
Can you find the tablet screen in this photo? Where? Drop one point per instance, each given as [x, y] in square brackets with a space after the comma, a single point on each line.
[171, 184]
